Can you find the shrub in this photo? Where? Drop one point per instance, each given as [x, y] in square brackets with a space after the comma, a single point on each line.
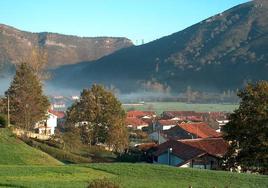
[59, 154]
[3, 122]
[103, 183]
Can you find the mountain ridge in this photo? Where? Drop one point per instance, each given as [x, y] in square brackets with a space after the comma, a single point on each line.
[62, 49]
[231, 43]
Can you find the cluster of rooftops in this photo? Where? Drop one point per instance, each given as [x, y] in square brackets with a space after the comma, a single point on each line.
[182, 138]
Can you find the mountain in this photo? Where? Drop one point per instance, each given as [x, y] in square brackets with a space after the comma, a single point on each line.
[62, 49]
[222, 52]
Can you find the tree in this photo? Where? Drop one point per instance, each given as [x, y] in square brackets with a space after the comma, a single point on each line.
[28, 105]
[38, 60]
[247, 131]
[101, 118]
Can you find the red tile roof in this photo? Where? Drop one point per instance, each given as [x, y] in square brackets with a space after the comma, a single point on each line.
[139, 114]
[134, 121]
[167, 122]
[59, 114]
[201, 130]
[183, 151]
[213, 146]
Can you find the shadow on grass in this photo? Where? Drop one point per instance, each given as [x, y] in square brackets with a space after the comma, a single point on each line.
[11, 185]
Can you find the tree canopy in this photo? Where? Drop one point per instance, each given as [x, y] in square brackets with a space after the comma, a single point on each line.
[28, 105]
[100, 118]
[247, 131]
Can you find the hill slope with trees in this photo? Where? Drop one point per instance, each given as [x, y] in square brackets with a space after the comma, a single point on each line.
[219, 53]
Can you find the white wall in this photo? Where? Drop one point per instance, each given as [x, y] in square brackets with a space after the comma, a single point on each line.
[52, 122]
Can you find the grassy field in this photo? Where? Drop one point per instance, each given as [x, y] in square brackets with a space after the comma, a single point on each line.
[14, 151]
[159, 107]
[48, 176]
[127, 175]
[148, 175]
[23, 166]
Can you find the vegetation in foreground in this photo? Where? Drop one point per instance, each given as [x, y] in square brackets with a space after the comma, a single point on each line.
[16, 152]
[124, 174]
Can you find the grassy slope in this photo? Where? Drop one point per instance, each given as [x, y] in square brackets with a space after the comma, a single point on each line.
[18, 168]
[14, 151]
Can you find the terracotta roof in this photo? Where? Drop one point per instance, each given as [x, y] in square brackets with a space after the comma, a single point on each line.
[213, 146]
[59, 114]
[139, 114]
[181, 150]
[135, 121]
[167, 122]
[201, 130]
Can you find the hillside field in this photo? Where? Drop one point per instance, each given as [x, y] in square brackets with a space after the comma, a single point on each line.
[15, 152]
[23, 166]
[159, 107]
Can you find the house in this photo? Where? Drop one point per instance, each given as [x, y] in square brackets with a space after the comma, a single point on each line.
[213, 146]
[135, 123]
[178, 133]
[141, 114]
[157, 137]
[165, 124]
[47, 127]
[193, 153]
[221, 123]
[61, 118]
[183, 115]
[200, 130]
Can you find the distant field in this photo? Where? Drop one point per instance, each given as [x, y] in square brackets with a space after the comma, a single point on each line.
[159, 107]
[127, 175]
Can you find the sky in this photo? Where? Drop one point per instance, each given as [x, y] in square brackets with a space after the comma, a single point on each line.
[135, 19]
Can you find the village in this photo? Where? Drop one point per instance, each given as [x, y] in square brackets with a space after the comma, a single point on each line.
[134, 94]
[177, 138]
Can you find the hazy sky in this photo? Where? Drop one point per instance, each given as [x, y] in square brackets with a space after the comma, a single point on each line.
[135, 19]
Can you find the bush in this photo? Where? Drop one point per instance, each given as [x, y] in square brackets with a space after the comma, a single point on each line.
[3, 121]
[132, 156]
[103, 183]
[59, 154]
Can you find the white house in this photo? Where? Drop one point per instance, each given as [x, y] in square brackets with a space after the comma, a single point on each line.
[165, 124]
[47, 127]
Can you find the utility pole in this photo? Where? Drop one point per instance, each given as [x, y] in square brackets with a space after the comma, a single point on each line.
[8, 111]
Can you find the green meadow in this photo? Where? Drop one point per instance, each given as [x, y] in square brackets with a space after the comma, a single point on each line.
[23, 166]
[126, 174]
[159, 107]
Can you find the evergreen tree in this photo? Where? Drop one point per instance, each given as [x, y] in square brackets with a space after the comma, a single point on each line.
[247, 131]
[103, 116]
[28, 105]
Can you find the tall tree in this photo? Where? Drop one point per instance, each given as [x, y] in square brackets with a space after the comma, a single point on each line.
[103, 116]
[38, 60]
[247, 131]
[28, 105]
